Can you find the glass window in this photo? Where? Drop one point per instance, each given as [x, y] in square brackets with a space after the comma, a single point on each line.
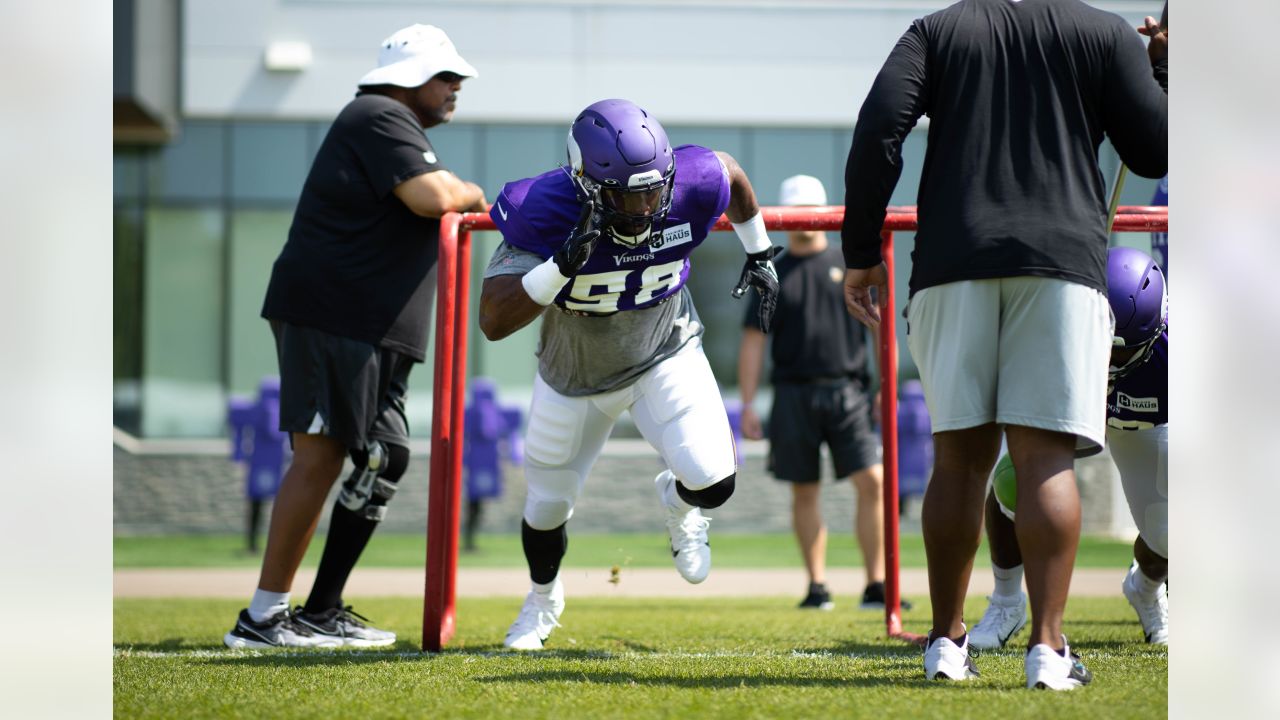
[457, 147]
[182, 331]
[126, 166]
[127, 318]
[269, 161]
[256, 239]
[192, 167]
[512, 152]
[777, 154]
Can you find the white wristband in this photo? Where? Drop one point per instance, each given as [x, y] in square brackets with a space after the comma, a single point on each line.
[753, 235]
[543, 283]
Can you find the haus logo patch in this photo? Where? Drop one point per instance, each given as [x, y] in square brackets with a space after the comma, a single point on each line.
[672, 237]
[1137, 404]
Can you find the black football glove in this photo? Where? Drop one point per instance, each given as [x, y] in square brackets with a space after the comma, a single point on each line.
[758, 273]
[577, 249]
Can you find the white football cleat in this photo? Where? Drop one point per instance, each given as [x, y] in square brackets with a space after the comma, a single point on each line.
[690, 548]
[538, 617]
[1004, 617]
[944, 660]
[1153, 610]
[1048, 669]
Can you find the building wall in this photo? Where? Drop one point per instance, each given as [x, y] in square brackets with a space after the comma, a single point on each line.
[199, 221]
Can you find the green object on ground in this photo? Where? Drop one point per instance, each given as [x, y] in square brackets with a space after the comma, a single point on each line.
[1006, 484]
[773, 550]
[618, 658]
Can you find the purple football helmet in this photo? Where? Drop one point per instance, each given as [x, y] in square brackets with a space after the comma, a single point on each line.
[619, 150]
[1140, 303]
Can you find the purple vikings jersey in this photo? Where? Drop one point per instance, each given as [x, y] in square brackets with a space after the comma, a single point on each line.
[1140, 400]
[538, 214]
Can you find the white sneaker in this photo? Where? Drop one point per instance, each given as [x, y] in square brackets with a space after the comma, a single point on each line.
[1004, 617]
[944, 660]
[1047, 669]
[1153, 611]
[690, 548]
[538, 617]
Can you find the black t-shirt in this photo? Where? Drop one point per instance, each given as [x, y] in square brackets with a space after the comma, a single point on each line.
[357, 260]
[1019, 96]
[813, 336]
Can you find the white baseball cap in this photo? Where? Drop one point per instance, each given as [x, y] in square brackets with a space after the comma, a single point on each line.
[414, 55]
[803, 190]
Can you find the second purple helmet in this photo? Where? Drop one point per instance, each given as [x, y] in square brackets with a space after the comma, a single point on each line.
[617, 148]
[1140, 303]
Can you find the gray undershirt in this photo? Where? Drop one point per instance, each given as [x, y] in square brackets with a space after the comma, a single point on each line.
[587, 355]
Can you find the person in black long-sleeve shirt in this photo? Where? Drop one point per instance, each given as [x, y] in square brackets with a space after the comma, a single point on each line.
[1008, 319]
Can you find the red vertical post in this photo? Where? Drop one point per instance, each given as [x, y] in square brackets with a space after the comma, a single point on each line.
[437, 607]
[462, 306]
[889, 435]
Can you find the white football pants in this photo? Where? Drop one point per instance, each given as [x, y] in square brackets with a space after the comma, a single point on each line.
[677, 407]
[1142, 457]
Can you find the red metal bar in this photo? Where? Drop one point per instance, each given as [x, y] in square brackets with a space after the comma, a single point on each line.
[453, 306]
[442, 517]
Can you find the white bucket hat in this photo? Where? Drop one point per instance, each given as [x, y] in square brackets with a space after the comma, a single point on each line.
[414, 55]
[803, 190]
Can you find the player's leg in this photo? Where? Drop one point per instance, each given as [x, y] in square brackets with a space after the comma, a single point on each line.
[846, 413]
[318, 431]
[953, 334]
[1142, 458]
[811, 536]
[1055, 344]
[562, 441]
[794, 457]
[678, 409]
[362, 505]
[1006, 611]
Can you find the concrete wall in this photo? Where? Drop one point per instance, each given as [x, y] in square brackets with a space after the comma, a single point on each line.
[804, 63]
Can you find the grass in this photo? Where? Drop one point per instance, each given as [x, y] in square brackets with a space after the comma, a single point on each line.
[498, 551]
[617, 658]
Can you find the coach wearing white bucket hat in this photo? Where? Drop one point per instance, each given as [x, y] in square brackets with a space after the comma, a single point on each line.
[349, 303]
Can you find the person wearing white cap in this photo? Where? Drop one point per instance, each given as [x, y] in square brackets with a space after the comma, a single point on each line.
[820, 377]
[349, 303]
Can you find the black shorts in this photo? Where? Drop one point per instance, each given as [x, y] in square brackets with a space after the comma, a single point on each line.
[346, 389]
[805, 416]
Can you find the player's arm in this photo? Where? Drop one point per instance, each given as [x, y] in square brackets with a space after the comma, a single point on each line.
[750, 361]
[744, 213]
[505, 306]
[433, 194]
[509, 302]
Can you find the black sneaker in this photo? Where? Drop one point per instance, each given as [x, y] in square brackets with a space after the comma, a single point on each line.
[873, 598]
[344, 625]
[279, 630]
[817, 599]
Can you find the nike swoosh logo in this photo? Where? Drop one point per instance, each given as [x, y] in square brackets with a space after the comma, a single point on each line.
[501, 212]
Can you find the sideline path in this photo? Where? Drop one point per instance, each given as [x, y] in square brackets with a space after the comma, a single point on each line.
[579, 582]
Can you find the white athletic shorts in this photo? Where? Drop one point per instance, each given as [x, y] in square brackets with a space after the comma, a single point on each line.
[1023, 350]
[676, 405]
[1142, 456]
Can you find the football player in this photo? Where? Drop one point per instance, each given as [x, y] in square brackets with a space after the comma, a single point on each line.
[1138, 435]
[600, 251]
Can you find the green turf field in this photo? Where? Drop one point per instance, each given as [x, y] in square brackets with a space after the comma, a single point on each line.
[617, 658]
[633, 550]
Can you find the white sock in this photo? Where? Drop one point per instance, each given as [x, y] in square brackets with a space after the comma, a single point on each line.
[266, 603]
[1144, 584]
[1008, 581]
[673, 499]
[543, 588]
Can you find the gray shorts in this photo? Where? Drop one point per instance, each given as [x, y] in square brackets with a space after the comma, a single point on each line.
[1028, 351]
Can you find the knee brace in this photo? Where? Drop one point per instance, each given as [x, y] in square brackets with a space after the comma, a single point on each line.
[712, 496]
[373, 482]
